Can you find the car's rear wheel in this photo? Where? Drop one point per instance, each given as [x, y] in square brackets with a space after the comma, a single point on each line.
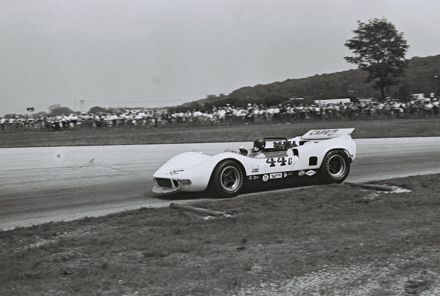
[227, 179]
[335, 167]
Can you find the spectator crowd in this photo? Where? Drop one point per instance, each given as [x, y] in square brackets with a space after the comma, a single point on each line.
[228, 114]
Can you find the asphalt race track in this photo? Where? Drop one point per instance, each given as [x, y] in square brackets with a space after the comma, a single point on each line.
[63, 183]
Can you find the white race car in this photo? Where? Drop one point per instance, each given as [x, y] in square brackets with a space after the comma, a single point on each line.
[326, 153]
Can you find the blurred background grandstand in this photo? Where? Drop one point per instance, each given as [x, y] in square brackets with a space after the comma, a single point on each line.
[338, 96]
[293, 110]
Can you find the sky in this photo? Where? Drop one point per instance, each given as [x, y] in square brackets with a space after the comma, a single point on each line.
[165, 52]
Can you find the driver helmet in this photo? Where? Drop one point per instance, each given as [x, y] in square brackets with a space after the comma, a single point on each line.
[259, 144]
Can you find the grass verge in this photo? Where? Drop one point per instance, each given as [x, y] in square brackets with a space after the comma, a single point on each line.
[379, 128]
[332, 240]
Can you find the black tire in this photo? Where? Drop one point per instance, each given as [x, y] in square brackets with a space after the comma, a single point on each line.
[335, 167]
[227, 180]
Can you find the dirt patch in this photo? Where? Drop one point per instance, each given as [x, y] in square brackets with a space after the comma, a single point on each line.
[329, 240]
[377, 128]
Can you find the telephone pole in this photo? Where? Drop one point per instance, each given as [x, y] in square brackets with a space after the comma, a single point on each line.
[436, 85]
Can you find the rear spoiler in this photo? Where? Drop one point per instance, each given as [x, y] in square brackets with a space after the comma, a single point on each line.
[322, 134]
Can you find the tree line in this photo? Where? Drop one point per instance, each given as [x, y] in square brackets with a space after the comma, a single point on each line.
[378, 49]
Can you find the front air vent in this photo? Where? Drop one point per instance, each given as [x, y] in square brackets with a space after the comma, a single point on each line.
[162, 182]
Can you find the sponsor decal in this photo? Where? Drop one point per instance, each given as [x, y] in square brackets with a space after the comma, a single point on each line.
[324, 132]
[276, 176]
[255, 170]
[284, 175]
[265, 178]
[301, 173]
[310, 173]
[175, 172]
[253, 178]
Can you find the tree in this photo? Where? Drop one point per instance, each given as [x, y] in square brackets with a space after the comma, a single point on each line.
[379, 49]
[60, 110]
[98, 109]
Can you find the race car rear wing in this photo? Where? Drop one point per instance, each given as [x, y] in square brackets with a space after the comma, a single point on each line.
[323, 134]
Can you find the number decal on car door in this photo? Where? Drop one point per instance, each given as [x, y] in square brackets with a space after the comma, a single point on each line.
[281, 161]
[270, 161]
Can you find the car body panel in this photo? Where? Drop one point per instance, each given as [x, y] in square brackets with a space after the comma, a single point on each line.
[191, 171]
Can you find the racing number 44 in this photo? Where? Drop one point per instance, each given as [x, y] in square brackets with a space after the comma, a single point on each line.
[281, 161]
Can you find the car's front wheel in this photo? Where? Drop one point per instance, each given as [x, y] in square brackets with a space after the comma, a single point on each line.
[227, 179]
[335, 167]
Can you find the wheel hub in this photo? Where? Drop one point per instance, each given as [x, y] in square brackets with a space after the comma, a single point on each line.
[230, 178]
[336, 166]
